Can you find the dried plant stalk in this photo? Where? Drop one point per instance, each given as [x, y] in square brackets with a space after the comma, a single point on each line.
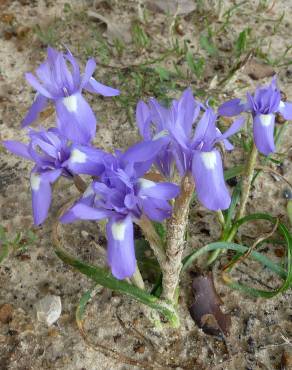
[175, 238]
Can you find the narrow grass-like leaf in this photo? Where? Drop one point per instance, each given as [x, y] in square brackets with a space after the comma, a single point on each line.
[289, 210]
[105, 278]
[285, 274]
[4, 251]
[241, 42]
[207, 44]
[196, 65]
[231, 210]
[233, 172]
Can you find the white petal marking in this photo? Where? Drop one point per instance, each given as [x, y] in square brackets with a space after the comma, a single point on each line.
[89, 191]
[146, 184]
[282, 104]
[70, 103]
[77, 156]
[35, 181]
[209, 160]
[118, 230]
[160, 134]
[266, 119]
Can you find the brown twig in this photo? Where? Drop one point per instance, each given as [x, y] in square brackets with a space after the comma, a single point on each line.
[268, 169]
[253, 246]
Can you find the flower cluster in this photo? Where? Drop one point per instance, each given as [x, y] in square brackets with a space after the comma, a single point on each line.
[182, 138]
[263, 105]
[191, 150]
[122, 196]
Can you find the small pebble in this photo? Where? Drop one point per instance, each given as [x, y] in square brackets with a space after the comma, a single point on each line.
[49, 309]
[287, 193]
[6, 311]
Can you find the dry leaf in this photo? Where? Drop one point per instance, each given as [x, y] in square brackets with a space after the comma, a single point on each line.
[172, 7]
[206, 311]
[286, 360]
[114, 30]
[257, 71]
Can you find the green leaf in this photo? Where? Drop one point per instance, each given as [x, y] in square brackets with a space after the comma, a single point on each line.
[105, 278]
[233, 172]
[241, 42]
[146, 260]
[206, 43]
[160, 229]
[163, 73]
[285, 274]
[289, 210]
[196, 65]
[4, 250]
[231, 210]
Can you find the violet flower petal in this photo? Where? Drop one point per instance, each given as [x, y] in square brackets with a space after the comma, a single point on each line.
[162, 190]
[17, 148]
[285, 108]
[144, 151]
[207, 170]
[156, 209]
[85, 160]
[88, 72]
[81, 211]
[263, 132]
[76, 119]
[32, 80]
[232, 108]
[41, 193]
[37, 106]
[234, 128]
[143, 119]
[96, 87]
[121, 252]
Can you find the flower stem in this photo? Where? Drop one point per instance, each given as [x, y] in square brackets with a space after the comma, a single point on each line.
[137, 279]
[79, 183]
[246, 185]
[153, 238]
[175, 236]
[220, 218]
[247, 180]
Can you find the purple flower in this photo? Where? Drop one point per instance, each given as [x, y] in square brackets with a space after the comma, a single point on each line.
[63, 85]
[191, 150]
[263, 105]
[51, 153]
[121, 195]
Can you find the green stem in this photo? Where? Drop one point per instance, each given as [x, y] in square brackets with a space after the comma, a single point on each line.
[247, 180]
[104, 278]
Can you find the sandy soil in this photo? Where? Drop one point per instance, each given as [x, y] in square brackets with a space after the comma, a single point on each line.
[261, 328]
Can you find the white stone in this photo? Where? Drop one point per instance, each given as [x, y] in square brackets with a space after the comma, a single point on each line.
[70, 103]
[209, 160]
[35, 181]
[77, 156]
[118, 230]
[48, 309]
[266, 119]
